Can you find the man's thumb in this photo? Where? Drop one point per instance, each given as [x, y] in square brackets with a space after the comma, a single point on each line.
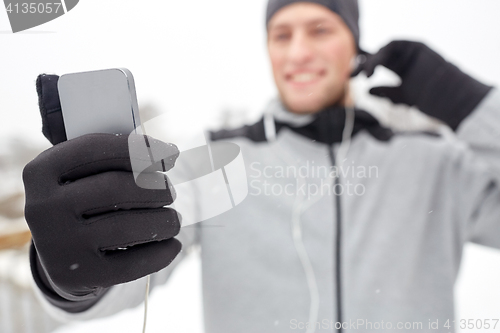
[393, 93]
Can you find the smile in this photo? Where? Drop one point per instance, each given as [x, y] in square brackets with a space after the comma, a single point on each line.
[304, 77]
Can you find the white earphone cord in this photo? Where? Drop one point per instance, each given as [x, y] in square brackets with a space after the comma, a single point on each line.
[146, 304]
[142, 130]
[300, 206]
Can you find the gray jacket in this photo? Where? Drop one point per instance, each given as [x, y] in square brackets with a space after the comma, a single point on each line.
[408, 204]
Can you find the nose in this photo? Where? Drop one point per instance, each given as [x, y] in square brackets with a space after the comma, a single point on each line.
[300, 51]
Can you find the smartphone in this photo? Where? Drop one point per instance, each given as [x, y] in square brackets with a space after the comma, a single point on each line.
[102, 101]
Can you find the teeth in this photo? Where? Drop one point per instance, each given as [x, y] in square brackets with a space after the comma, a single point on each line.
[304, 77]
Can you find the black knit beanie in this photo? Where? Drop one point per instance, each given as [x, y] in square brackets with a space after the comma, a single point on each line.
[347, 9]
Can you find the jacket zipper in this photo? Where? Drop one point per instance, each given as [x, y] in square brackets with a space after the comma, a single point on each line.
[337, 244]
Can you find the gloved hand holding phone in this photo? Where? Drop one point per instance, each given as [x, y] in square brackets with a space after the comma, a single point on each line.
[93, 227]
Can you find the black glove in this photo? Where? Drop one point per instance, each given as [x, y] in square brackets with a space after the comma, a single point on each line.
[429, 82]
[92, 225]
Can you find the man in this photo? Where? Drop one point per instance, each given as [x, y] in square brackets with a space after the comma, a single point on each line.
[372, 243]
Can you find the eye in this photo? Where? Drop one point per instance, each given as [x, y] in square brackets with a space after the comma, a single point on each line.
[321, 31]
[281, 36]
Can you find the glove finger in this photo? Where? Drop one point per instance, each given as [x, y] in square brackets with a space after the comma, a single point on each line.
[140, 260]
[50, 108]
[126, 229]
[149, 155]
[399, 55]
[389, 56]
[96, 153]
[114, 191]
[393, 93]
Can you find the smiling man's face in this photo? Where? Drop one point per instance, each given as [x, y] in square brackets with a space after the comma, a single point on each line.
[311, 50]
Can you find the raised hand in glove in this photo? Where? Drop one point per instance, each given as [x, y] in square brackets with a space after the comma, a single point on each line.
[437, 87]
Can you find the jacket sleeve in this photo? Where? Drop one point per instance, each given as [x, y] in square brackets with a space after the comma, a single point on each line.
[479, 178]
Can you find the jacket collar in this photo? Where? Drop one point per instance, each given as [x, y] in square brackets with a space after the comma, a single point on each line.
[327, 125]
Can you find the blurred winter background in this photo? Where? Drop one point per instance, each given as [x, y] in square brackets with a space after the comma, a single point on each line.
[200, 64]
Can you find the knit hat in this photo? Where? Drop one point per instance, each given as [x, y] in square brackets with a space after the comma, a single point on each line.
[347, 9]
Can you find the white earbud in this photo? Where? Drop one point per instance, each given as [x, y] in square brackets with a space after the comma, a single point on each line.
[354, 63]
